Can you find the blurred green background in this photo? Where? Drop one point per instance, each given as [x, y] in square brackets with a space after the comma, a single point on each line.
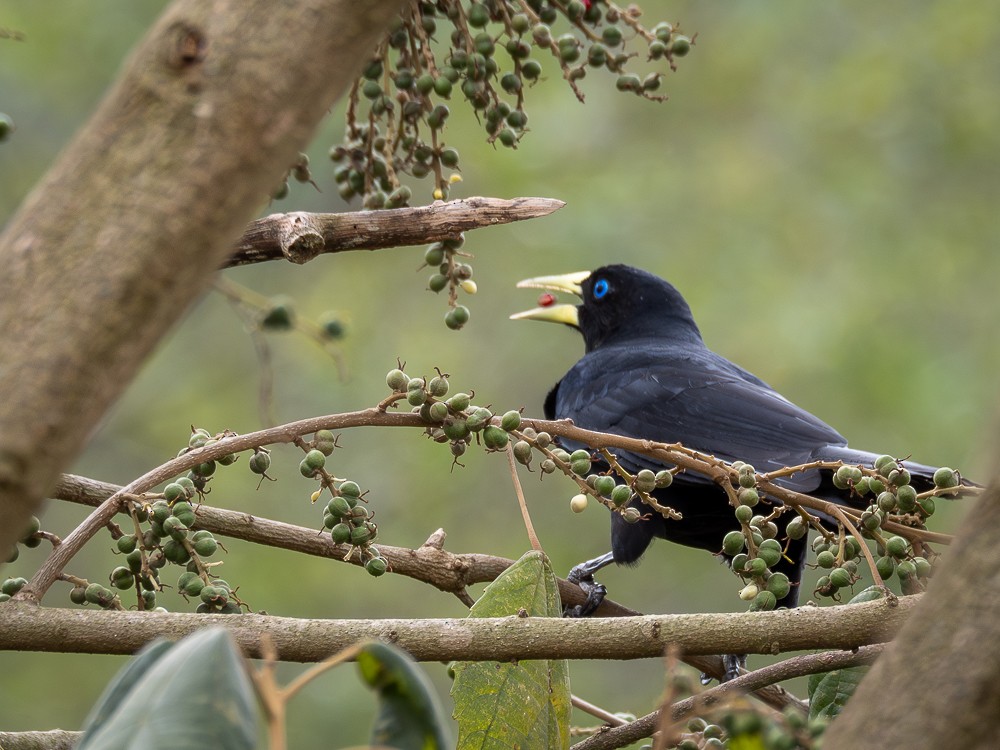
[822, 187]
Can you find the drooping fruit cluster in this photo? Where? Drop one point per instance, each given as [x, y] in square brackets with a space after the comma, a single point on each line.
[346, 515]
[486, 54]
[451, 272]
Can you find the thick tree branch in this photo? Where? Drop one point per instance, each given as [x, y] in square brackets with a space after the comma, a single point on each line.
[300, 237]
[28, 627]
[126, 229]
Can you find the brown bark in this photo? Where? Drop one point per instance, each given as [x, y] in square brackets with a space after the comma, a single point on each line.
[28, 627]
[299, 237]
[125, 230]
[938, 683]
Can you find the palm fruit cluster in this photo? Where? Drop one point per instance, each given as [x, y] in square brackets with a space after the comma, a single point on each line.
[346, 515]
[756, 547]
[485, 54]
[451, 272]
[453, 418]
[163, 534]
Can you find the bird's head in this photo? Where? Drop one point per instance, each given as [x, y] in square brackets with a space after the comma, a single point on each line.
[619, 303]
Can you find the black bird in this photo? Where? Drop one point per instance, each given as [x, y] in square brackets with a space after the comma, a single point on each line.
[647, 374]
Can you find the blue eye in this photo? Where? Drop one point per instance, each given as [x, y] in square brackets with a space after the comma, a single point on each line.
[601, 288]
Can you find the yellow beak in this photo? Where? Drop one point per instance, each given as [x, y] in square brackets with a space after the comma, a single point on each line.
[564, 313]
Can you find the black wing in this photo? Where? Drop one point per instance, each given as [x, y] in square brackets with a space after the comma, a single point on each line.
[694, 397]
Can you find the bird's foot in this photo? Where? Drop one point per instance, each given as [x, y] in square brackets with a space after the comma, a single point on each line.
[595, 592]
[733, 665]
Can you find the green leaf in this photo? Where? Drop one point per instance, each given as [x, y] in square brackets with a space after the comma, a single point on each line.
[500, 705]
[409, 716]
[191, 694]
[121, 685]
[870, 594]
[830, 691]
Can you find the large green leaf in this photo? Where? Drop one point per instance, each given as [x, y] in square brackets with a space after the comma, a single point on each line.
[409, 717]
[525, 705]
[121, 685]
[191, 694]
[830, 691]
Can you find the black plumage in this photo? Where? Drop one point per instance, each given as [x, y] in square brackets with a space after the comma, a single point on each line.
[647, 374]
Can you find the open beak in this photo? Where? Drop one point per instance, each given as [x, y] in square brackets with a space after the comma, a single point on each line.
[564, 313]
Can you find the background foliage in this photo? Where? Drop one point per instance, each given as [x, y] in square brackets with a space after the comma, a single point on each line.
[821, 186]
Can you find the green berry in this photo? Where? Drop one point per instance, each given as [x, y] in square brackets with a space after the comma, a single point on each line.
[206, 546]
[510, 421]
[174, 491]
[604, 485]
[797, 528]
[645, 481]
[495, 438]
[259, 463]
[612, 36]
[376, 566]
[763, 602]
[748, 497]
[12, 585]
[899, 477]
[457, 317]
[397, 381]
[522, 452]
[315, 459]
[826, 559]
[95, 593]
[621, 495]
[360, 535]
[280, 316]
[733, 543]
[78, 595]
[770, 552]
[841, 578]
[664, 478]
[459, 402]
[779, 585]
[680, 45]
[126, 543]
[341, 533]
[945, 478]
[122, 578]
[885, 566]
[744, 514]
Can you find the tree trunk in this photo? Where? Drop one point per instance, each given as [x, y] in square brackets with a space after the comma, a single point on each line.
[938, 683]
[128, 226]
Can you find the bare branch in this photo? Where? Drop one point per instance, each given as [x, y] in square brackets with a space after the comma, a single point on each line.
[299, 237]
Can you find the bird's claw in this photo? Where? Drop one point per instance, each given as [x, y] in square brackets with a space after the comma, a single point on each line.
[733, 665]
[595, 593]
